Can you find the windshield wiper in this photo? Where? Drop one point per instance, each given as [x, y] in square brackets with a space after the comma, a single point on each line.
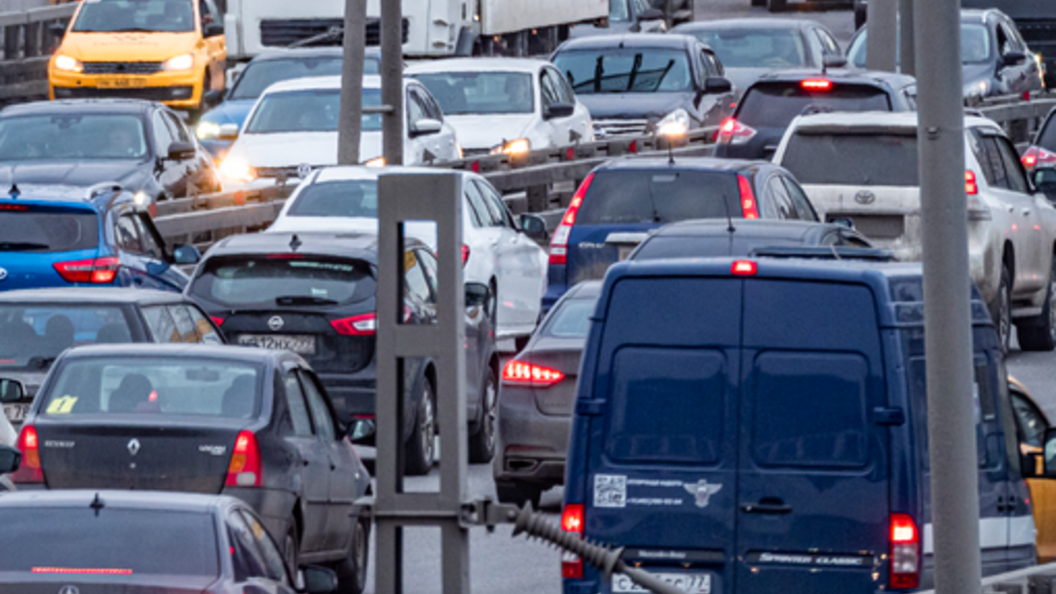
[634, 70]
[22, 245]
[304, 300]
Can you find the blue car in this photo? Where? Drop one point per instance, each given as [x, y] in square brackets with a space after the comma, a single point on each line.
[98, 236]
[219, 127]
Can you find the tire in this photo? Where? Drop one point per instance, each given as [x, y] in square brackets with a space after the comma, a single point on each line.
[1039, 333]
[776, 5]
[352, 571]
[482, 443]
[1001, 310]
[420, 448]
[519, 493]
[291, 548]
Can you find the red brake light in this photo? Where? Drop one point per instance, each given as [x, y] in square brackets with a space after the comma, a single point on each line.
[245, 467]
[970, 187]
[465, 254]
[733, 132]
[905, 552]
[285, 256]
[29, 445]
[1037, 156]
[93, 270]
[572, 521]
[744, 268]
[816, 84]
[559, 242]
[525, 374]
[217, 320]
[749, 208]
[361, 325]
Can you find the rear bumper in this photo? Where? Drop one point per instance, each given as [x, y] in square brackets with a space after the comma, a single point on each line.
[274, 506]
[532, 446]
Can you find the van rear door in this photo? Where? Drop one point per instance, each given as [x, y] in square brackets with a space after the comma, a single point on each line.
[812, 501]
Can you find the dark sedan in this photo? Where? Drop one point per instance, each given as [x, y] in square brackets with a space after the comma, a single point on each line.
[140, 542]
[141, 145]
[625, 16]
[640, 84]
[255, 424]
[1042, 149]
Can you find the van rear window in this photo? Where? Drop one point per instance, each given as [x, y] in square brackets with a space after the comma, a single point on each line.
[659, 196]
[47, 230]
[774, 105]
[853, 159]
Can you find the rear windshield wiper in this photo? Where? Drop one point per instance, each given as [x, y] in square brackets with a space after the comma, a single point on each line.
[304, 300]
[22, 245]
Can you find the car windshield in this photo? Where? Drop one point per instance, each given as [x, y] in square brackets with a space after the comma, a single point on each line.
[481, 92]
[57, 540]
[266, 281]
[71, 135]
[619, 12]
[629, 70]
[109, 16]
[659, 196]
[975, 45]
[32, 334]
[309, 110]
[571, 319]
[260, 74]
[756, 48]
[25, 228]
[775, 105]
[154, 386]
[346, 198]
[854, 159]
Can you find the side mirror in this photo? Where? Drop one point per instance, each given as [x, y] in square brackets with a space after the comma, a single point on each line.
[317, 580]
[186, 254]
[651, 14]
[181, 151]
[58, 30]
[558, 110]
[10, 459]
[212, 97]
[361, 429]
[212, 29]
[477, 294]
[1013, 59]
[1049, 452]
[717, 84]
[534, 226]
[426, 126]
[11, 390]
[834, 61]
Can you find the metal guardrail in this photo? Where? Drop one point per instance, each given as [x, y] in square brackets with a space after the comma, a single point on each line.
[25, 50]
[1040, 579]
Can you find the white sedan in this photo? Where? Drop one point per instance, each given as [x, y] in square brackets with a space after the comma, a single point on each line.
[506, 105]
[292, 129]
[498, 249]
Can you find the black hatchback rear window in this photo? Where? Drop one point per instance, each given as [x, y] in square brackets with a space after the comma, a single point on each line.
[281, 279]
[26, 228]
[659, 196]
[775, 105]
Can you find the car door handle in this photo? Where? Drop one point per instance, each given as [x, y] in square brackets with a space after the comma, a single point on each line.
[1026, 212]
[767, 505]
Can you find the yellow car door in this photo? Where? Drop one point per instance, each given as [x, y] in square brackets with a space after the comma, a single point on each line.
[215, 49]
[1032, 423]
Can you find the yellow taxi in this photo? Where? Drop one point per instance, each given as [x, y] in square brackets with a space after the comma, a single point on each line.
[172, 51]
[1031, 423]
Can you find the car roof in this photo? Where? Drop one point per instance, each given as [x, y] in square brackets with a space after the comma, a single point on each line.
[176, 351]
[746, 23]
[98, 196]
[91, 296]
[370, 81]
[362, 172]
[744, 228]
[172, 501]
[683, 163]
[865, 119]
[136, 106]
[361, 245]
[310, 52]
[478, 65]
[646, 40]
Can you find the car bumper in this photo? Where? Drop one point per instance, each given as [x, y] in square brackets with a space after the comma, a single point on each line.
[533, 446]
[175, 89]
[274, 506]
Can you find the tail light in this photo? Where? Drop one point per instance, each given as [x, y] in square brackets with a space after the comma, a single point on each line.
[905, 553]
[749, 207]
[572, 521]
[245, 467]
[465, 254]
[744, 268]
[361, 325]
[217, 320]
[30, 470]
[816, 84]
[559, 242]
[100, 271]
[970, 187]
[519, 373]
[733, 132]
[1035, 156]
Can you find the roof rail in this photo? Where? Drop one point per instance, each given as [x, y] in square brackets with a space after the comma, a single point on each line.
[825, 253]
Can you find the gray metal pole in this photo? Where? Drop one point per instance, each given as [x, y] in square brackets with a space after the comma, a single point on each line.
[350, 121]
[947, 313]
[908, 55]
[392, 80]
[880, 44]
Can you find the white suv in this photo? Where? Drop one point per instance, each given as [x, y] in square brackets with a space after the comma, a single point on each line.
[498, 249]
[863, 167]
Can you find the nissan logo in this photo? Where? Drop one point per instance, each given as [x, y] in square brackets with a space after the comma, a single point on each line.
[71, 589]
[865, 197]
[275, 323]
[3, 274]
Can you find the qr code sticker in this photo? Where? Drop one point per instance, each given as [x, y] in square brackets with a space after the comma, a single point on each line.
[610, 490]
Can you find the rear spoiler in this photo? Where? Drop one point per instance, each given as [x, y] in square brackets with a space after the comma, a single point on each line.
[825, 253]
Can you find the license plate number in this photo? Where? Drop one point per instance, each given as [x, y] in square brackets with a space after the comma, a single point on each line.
[16, 413]
[122, 83]
[298, 343]
[691, 583]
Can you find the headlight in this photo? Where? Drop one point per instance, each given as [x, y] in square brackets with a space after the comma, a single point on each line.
[236, 169]
[68, 64]
[183, 62]
[674, 124]
[376, 162]
[980, 89]
[518, 146]
[207, 131]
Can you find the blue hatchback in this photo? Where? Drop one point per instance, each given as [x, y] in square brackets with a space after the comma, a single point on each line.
[98, 236]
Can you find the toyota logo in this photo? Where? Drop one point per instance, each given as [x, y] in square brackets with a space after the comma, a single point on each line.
[3, 274]
[304, 170]
[71, 589]
[133, 446]
[865, 197]
[275, 323]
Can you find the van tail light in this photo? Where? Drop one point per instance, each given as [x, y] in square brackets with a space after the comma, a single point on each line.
[559, 242]
[100, 271]
[519, 373]
[465, 254]
[361, 325]
[30, 470]
[905, 553]
[970, 187]
[749, 207]
[572, 521]
[1035, 156]
[245, 467]
[733, 132]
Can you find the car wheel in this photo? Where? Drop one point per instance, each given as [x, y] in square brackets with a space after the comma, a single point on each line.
[1039, 333]
[519, 493]
[290, 546]
[352, 571]
[420, 449]
[776, 5]
[482, 443]
[1001, 310]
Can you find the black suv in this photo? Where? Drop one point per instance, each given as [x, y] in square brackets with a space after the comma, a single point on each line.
[314, 294]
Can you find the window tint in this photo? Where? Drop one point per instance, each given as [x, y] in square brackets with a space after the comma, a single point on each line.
[345, 198]
[498, 209]
[302, 426]
[32, 335]
[661, 196]
[548, 89]
[163, 135]
[273, 562]
[800, 200]
[993, 165]
[429, 264]
[161, 324]
[753, 48]
[247, 558]
[831, 47]
[853, 159]
[311, 110]
[1017, 179]
[431, 108]
[176, 127]
[774, 105]
[260, 74]
[781, 201]
[415, 108]
[46, 230]
[482, 214]
[205, 329]
[571, 320]
[564, 90]
[265, 282]
[150, 246]
[324, 423]
[126, 232]
[112, 16]
[470, 92]
[77, 135]
[975, 45]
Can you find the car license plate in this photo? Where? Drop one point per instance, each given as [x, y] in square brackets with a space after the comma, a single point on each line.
[692, 583]
[302, 344]
[16, 413]
[122, 83]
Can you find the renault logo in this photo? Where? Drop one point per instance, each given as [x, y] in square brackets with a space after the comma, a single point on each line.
[865, 197]
[133, 446]
[275, 323]
[69, 590]
[3, 274]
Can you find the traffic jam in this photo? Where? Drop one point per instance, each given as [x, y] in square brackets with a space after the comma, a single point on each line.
[714, 362]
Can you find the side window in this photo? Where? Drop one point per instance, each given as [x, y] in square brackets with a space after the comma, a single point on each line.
[414, 282]
[126, 232]
[1005, 42]
[161, 324]
[273, 562]
[476, 201]
[564, 90]
[910, 95]
[432, 109]
[302, 427]
[246, 556]
[205, 329]
[986, 422]
[827, 42]
[429, 264]
[800, 201]
[993, 165]
[415, 109]
[547, 89]
[146, 239]
[782, 201]
[324, 423]
[1030, 421]
[1017, 179]
[178, 130]
[185, 326]
[498, 209]
[849, 239]
[163, 135]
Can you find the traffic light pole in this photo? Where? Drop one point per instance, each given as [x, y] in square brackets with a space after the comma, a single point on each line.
[350, 123]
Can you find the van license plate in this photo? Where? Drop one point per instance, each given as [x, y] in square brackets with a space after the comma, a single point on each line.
[16, 413]
[692, 583]
[302, 344]
[122, 83]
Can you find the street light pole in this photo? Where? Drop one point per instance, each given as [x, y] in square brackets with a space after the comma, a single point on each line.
[350, 121]
[907, 52]
[392, 80]
[880, 43]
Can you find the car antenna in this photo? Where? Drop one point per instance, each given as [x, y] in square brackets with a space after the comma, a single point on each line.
[14, 191]
[295, 243]
[729, 218]
[97, 504]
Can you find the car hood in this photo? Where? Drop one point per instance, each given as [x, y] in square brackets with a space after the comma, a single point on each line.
[973, 74]
[634, 105]
[229, 112]
[129, 173]
[121, 47]
[285, 150]
[487, 131]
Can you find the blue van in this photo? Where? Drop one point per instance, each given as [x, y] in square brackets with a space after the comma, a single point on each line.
[756, 426]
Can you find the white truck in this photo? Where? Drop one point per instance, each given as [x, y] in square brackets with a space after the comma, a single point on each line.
[431, 28]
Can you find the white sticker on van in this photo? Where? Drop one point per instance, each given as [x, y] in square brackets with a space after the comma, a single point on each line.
[610, 490]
